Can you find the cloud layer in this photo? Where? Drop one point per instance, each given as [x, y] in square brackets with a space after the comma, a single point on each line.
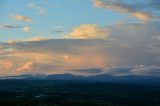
[143, 11]
[85, 57]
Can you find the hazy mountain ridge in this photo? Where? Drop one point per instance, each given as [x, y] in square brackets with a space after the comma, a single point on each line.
[96, 78]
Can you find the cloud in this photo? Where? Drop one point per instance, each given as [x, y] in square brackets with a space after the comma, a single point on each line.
[53, 56]
[58, 29]
[142, 16]
[135, 31]
[9, 26]
[146, 70]
[140, 70]
[35, 39]
[5, 65]
[26, 29]
[85, 57]
[6, 26]
[22, 18]
[90, 70]
[132, 50]
[41, 11]
[88, 31]
[143, 11]
[25, 67]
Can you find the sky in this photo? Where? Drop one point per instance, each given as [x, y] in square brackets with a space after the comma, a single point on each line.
[81, 37]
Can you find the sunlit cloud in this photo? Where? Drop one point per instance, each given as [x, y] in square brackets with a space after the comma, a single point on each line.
[27, 59]
[142, 16]
[78, 56]
[33, 39]
[36, 39]
[26, 29]
[6, 67]
[142, 11]
[21, 18]
[137, 70]
[25, 67]
[88, 31]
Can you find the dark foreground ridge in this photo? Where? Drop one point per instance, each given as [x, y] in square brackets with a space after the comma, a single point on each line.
[52, 91]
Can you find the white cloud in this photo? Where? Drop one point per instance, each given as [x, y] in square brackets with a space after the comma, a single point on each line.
[26, 29]
[41, 10]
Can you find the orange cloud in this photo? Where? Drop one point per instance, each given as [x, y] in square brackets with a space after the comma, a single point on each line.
[120, 6]
[22, 18]
[36, 39]
[88, 31]
[90, 60]
[142, 16]
[25, 67]
[98, 3]
[6, 65]
[37, 57]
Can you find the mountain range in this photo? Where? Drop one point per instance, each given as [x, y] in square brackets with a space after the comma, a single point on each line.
[129, 79]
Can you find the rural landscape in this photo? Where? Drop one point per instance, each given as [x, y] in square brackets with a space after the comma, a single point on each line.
[80, 53]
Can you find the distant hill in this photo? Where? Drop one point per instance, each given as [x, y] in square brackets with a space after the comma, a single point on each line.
[154, 80]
